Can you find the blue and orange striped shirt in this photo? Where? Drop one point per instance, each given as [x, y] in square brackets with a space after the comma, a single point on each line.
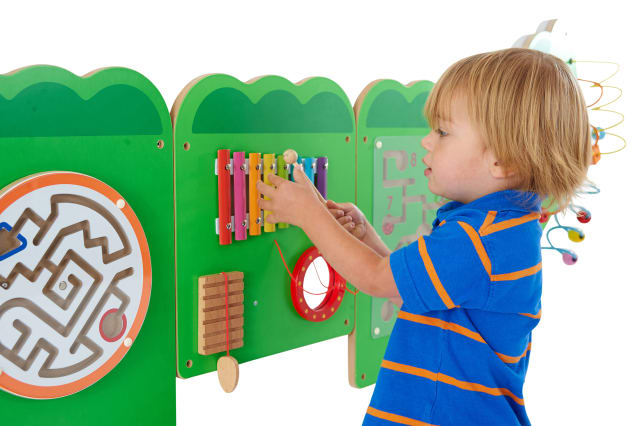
[459, 350]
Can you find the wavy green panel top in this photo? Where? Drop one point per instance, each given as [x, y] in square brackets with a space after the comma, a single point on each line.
[396, 106]
[48, 101]
[222, 104]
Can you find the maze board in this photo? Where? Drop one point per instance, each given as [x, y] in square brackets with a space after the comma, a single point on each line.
[80, 329]
[403, 207]
[78, 288]
[389, 123]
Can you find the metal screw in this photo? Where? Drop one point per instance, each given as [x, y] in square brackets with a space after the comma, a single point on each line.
[376, 331]
[255, 303]
[63, 285]
[378, 144]
[5, 285]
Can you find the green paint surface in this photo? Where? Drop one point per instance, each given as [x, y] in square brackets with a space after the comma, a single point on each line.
[69, 129]
[403, 206]
[229, 110]
[271, 323]
[392, 114]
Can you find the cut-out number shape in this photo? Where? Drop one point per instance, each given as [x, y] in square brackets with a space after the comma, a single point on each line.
[390, 200]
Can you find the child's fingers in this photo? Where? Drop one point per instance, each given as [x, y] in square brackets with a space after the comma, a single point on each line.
[359, 230]
[344, 219]
[265, 204]
[265, 189]
[276, 180]
[333, 205]
[300, 176]
[271, 218]
[336, 213]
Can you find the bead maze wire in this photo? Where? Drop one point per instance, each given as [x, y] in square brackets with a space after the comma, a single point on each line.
[598, 133]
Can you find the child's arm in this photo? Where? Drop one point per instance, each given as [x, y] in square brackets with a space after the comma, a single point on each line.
[297, 204]
[364, 231]
[355, 222]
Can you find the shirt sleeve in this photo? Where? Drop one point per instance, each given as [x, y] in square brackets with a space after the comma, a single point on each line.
[443, 270]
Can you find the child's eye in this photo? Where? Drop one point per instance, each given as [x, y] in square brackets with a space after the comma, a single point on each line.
[441, 132]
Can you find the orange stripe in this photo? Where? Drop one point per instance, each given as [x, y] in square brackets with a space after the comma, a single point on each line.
[442, 324]
[456, 328]
[517, 274]
[475, 239]
[490, 228]
[442, 223]
[514, 359]
[484, 258]
[488, 221]
[396, 418]
[433, 275]
[536, 316]
[439, 377]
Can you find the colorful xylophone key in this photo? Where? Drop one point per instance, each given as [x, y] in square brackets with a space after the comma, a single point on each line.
[239, 197]
[269, 168]
[254, 210]
[283, 172]
[224, 196]
[322, 164]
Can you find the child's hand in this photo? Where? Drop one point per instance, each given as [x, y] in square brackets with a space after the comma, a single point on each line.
[289, 202]
[350, 217]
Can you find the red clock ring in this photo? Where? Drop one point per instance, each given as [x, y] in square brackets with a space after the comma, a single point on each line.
[335, 290]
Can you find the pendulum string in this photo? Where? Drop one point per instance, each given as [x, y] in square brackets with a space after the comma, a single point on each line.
[293, 279]
[318, 275]
[226, 307]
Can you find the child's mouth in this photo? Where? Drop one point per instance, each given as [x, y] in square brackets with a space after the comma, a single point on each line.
[427, 171]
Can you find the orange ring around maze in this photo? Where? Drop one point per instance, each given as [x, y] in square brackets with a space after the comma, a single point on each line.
[15, 191]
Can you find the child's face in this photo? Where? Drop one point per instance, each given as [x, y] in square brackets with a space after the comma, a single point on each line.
[461, 169]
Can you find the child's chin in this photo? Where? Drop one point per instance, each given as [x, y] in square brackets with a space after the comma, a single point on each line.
[433, 189]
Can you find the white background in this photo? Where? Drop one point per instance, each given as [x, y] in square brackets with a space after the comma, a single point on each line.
[584, 362]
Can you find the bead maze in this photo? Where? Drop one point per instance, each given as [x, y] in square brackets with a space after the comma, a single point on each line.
[551, 38]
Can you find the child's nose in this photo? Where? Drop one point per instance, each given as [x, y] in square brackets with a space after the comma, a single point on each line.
[426, 142]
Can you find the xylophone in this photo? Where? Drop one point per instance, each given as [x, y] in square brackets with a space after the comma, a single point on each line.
[246, 172]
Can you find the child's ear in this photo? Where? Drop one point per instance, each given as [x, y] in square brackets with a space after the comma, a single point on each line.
[501, 172]
[497, 170]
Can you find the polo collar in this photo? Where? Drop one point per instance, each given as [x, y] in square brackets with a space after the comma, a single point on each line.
[508, 199]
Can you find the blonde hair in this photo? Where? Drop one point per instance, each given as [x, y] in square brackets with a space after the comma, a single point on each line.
[531, 113]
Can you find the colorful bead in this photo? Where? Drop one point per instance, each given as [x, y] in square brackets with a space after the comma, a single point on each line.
[569, 258]
[583, 216]
[601, 133]
[576, 235]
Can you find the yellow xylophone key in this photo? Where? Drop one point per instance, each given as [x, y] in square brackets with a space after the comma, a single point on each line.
[282, 172]
[269, 168]
[254, 209]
